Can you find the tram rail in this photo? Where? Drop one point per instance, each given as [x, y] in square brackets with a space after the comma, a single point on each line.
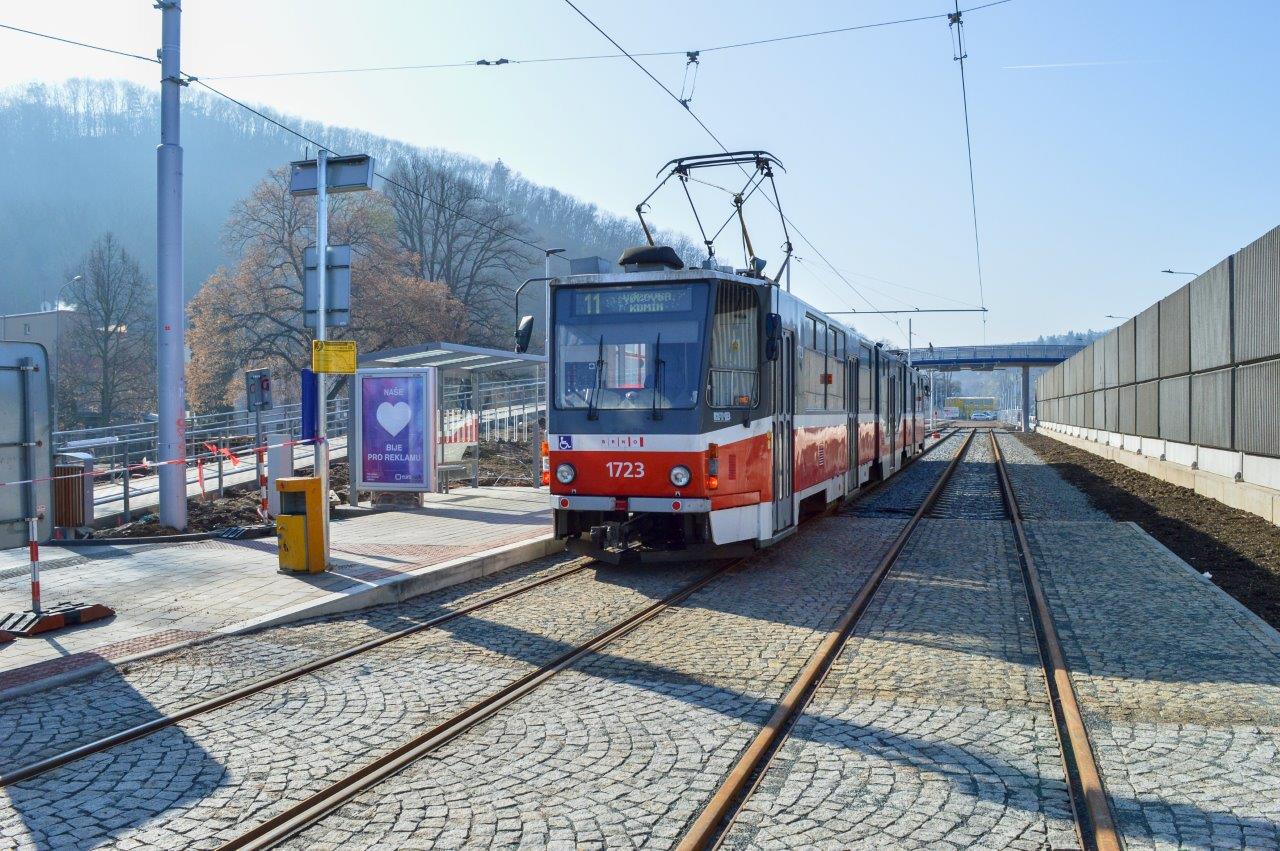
[1095, 823]
[316, 806]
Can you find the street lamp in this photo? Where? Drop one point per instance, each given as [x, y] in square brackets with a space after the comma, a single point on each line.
[1171, 272]
[1113, 316]
[58, 299]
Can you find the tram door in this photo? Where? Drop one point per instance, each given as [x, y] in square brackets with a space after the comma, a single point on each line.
[892, 416]
[784, 376]
[851, 405]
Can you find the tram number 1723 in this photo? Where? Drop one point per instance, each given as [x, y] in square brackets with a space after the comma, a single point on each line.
[625, 469]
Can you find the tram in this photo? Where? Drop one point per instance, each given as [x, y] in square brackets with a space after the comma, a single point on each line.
[697, 412]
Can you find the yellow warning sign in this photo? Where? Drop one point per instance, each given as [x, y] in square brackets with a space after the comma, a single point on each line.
[333, 356]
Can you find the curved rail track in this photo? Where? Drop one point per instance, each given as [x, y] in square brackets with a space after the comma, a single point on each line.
[1094, 821]
[314, 807]
[139, 731]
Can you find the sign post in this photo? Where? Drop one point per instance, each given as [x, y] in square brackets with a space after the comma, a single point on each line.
[257, 394]
[319, 177]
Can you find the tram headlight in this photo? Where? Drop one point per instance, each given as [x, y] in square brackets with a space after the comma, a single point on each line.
[565, 474]
[680, 475]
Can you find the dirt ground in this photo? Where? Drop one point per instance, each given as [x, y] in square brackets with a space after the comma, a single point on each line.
[1241, 551]
[501, 464]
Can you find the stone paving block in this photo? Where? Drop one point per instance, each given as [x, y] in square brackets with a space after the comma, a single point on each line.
[642, 725]
[1180, 689]
[932, 729]
[248, 760]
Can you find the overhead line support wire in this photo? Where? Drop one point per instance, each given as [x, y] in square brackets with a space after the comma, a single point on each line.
[717, 140]
[396, 183]
[84, 44]
[596, 56]
[955, 22]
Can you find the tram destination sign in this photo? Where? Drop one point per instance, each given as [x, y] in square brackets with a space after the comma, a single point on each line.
[632, 300]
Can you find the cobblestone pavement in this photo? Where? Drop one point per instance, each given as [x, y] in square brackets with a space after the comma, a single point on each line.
[40, 724]
[909, 487]
[166, 593]
[197, 784]
[974, 490]
[625, 748]
[1042, 493]
[1179, 684]
[932, 729]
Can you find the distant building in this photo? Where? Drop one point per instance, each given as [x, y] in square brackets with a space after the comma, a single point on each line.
[47, 327]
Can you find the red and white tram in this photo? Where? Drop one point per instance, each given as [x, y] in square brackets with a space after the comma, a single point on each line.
[696, 412]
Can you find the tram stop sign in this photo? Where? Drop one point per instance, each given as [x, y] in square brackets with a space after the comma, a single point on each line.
[257, 389]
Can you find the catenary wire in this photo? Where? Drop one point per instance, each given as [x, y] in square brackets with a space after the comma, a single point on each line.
[717, 140]
[393, 182]
[540, 60]
[957, 21]
[84, 44]
[188, 78]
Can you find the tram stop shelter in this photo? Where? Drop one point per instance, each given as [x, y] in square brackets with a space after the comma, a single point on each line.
[482, 393]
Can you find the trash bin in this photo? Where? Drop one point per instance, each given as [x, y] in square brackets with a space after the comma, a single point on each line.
[73, 490]
[300, 525]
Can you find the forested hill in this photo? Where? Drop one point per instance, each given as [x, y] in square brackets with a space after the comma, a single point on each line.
[80, 160]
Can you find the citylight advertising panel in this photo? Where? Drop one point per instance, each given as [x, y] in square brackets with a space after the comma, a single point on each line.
[396, 429]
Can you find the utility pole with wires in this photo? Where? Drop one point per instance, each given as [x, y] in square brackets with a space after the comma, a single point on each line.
[171, 449]
[955, 23]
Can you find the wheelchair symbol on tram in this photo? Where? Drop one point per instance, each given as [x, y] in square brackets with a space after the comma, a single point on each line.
[566, 441]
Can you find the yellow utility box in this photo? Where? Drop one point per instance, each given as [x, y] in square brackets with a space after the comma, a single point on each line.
[300, 524]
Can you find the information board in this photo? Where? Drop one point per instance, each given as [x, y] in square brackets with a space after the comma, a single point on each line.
[333, 356]
[396, 429]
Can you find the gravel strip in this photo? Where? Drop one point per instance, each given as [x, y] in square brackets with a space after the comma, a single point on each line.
[1240, 551]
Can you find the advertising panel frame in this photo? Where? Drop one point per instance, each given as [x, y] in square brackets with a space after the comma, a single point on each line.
[429, 413]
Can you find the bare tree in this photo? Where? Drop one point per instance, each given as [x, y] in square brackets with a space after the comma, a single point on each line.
[251, 315]
[106, 362]
[457, 233]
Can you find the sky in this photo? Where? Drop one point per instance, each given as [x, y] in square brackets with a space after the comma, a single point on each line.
[1111, 138]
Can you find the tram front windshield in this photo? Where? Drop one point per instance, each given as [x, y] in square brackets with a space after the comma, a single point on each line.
[629, 347]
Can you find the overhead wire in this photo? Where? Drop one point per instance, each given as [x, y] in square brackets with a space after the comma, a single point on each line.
[684, 101]
[190, 78]
[85, 44]
[955, 23]
[539, 60]
[320, 145]
[722, 146]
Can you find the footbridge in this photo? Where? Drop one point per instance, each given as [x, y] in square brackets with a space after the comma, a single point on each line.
[1009, 356]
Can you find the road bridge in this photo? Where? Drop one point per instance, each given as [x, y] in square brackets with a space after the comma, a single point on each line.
[1008, 356]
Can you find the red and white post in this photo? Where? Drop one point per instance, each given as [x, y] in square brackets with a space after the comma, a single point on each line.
[33, 543]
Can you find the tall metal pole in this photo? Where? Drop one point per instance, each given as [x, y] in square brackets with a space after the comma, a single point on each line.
[1026, 399]
[171, 382]
[322, 305]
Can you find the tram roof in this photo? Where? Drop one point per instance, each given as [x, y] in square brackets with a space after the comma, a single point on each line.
[451, 356]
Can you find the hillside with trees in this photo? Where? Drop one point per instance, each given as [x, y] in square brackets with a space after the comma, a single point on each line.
[437, 253]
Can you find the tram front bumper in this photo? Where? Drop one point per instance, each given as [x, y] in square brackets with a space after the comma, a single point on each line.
[634, 504]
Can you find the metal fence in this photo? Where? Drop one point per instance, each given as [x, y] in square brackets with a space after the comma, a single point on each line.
[1200, 367]
[124, 455]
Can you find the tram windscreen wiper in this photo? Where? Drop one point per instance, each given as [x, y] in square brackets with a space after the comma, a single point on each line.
[659, 373]
[592, 407]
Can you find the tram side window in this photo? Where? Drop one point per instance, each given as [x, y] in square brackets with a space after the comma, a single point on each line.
[734, 379]
[815, 364]
[864, 381]
[835, 369]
